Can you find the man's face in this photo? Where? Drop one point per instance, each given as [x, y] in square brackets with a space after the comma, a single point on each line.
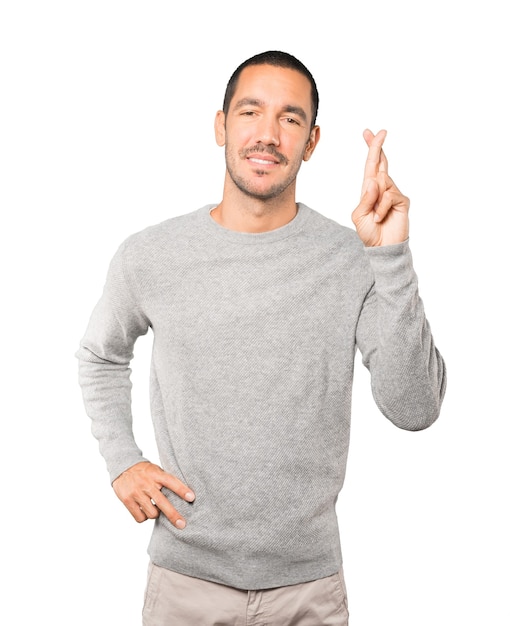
[267, 131]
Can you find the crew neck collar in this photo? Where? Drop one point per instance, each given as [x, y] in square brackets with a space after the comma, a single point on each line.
[288, 230]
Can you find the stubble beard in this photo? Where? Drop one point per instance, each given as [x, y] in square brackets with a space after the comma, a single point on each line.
[248, 187]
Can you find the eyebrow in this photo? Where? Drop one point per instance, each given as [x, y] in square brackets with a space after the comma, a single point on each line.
[289, 108]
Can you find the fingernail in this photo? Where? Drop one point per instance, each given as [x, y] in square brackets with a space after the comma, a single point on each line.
[377, 218]
[180, 523]
[189, 496]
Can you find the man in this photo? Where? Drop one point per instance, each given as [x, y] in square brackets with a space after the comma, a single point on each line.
[257, 306]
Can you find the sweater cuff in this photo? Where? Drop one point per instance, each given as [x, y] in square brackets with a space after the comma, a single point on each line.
[123, 462]
[392, 265]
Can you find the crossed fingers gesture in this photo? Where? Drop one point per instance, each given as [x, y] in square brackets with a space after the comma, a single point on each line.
[382, 216]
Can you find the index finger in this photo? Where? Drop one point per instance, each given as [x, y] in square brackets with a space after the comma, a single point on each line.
[376, 160]
[174, 484]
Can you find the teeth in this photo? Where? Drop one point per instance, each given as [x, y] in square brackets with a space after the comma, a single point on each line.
[261, 161]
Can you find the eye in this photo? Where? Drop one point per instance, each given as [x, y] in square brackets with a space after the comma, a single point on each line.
[290, 120]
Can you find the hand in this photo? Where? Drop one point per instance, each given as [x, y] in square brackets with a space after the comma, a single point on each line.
[139, 488]
[382, 216]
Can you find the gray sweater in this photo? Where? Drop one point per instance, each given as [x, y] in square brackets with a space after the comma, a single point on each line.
[253, 354]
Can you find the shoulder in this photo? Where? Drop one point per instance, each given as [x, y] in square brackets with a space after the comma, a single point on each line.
[168, 238]
[331, 234]
[340, 247]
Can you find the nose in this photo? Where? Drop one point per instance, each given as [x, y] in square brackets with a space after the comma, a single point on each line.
[268, 131]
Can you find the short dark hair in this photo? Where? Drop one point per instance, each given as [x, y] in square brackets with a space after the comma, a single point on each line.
[277, 59]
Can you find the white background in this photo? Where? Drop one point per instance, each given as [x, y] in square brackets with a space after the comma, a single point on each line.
[106, 126]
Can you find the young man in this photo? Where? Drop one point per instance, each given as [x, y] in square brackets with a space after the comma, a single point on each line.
[257, 306]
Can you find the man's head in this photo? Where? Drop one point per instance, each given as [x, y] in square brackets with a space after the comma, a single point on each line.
[276, 59]
[267, 125]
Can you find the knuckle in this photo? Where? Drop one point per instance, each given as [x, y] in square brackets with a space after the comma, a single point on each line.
[139, 515]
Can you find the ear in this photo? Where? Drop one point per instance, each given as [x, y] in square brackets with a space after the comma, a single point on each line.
[315, 135]
[219, 128]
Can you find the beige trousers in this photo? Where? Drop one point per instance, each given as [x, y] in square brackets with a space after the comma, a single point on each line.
[172, 599]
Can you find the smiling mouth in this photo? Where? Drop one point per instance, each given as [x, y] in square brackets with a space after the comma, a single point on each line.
[267, 156]
[261, 161]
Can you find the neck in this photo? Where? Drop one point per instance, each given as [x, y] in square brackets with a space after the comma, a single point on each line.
[240, 212]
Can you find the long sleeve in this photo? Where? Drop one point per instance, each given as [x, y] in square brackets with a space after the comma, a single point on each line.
[407, 372]
[104, 374]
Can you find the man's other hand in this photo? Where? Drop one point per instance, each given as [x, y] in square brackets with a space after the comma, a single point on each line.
[139, 489]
